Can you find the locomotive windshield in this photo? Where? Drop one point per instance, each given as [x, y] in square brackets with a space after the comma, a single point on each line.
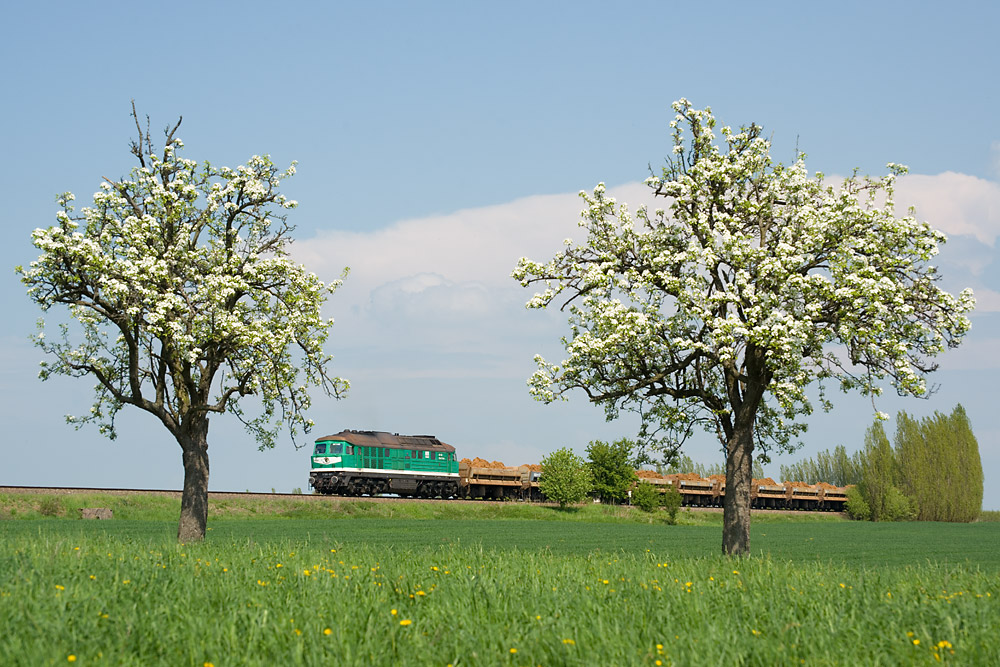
[333, 448]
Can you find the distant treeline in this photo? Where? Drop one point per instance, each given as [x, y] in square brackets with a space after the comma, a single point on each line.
[931, 472]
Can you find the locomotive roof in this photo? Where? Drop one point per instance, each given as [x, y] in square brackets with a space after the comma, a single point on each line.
[389, 440]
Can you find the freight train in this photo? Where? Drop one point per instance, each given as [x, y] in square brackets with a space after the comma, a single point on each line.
[356, 463]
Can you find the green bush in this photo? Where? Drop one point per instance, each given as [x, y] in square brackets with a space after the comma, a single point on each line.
[565, 478]
[898, 506]
[857, 506]
[50, 506]
[671, 501]
[646, 497]
[611, 469]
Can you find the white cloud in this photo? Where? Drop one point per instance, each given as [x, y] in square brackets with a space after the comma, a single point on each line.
[957, 204]
[987, 301]
[480, 245]
[430, 294]
[433, 297]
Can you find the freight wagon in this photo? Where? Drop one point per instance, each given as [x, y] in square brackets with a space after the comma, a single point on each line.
[355, 463]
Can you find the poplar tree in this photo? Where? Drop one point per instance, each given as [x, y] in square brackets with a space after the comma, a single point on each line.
[939, 466]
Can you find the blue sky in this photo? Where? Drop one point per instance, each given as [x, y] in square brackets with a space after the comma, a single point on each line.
[438, 143]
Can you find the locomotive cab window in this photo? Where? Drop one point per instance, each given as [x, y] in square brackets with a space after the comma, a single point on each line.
[331, 448]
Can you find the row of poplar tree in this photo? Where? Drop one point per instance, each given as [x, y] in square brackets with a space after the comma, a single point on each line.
[931, 471]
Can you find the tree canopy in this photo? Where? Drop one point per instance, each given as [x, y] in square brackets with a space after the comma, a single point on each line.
[612, 469]
[183, 302]
[565, 478]
[755, 280]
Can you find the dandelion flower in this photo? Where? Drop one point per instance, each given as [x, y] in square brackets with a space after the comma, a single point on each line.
[405, 622]
[70, 658]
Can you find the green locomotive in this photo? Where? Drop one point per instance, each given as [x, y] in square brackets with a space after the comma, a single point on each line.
[354, 463]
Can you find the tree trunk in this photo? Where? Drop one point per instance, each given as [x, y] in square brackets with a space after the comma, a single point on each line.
[736, 506]
[194, 497]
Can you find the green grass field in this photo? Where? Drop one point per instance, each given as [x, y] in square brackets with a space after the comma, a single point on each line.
[494, 591]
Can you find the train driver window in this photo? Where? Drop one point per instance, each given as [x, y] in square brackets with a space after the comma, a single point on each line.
[320, 449]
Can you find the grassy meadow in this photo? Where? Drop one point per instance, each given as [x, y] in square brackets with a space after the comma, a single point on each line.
[360, 583]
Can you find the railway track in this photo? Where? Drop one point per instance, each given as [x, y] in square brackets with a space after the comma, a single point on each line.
[316, 497]
[217, 495]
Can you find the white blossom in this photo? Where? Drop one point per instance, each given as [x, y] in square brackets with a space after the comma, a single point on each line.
[179, 277]
[755, 281]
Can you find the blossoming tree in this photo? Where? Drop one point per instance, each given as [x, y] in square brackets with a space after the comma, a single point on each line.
[754, 282]
[183, 303]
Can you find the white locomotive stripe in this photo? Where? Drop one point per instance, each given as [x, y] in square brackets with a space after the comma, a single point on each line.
[388, 472]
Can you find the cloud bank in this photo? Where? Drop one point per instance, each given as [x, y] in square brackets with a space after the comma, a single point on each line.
[437, 273]
[957, 204]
